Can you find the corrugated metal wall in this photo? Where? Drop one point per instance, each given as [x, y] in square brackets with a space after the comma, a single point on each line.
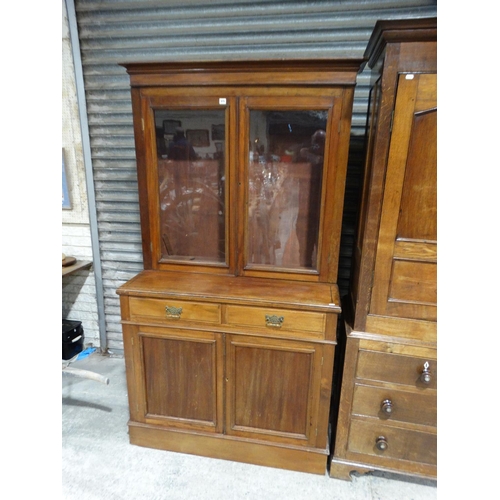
[117, 31]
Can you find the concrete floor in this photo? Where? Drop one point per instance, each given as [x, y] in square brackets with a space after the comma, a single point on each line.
[98, 463]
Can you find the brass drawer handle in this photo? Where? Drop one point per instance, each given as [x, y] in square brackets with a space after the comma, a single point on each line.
[381, 443]
[173, 312]
[274, 321]
[425, 377]
[387, 406]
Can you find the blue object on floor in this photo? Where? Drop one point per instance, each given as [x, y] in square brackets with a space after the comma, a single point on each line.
[85, 353]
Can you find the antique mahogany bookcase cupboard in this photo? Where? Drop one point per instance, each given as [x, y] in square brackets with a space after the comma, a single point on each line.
[230, 331]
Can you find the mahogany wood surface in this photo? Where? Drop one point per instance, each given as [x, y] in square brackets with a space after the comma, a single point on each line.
[292, 320]
[403, 444]
[273, 85]
[409, 209]
[300, 459]
[322, 297]
[414, 407]
[263, 72]
[273, 390]
[269, 388]
[186, 388]
[394, 368]
[391, 344]
[141, 308]
[230, 331]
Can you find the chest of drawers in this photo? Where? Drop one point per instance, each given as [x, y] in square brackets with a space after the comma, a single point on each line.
[389, 422]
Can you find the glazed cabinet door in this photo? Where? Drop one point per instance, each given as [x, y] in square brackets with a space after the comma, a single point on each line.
[175, 377]
[273, 389]
[184, 179]
[405, 276]
[288, 156]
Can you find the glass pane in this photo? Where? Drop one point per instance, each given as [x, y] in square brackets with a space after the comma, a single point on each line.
[191, 171]
[285, 175]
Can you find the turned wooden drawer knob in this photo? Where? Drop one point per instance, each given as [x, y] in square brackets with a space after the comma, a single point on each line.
[387, 406]
[425, 377]
[381, 443]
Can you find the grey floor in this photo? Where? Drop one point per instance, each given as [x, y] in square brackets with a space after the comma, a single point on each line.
[99, 463]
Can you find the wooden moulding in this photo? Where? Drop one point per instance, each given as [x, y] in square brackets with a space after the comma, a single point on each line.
[343, 469]
[396, 31]
[323, 297]
[229, 448]
[263, 72]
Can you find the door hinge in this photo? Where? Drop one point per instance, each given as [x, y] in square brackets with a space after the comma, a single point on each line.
[142, 120]
[392, 121]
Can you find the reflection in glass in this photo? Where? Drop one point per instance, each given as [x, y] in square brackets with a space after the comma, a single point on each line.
[191, 178]
[284, 193]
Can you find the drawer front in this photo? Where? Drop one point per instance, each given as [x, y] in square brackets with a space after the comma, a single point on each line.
[397, 369]
[276, 320]
[400, 444]
[172, 311]
[393, 405]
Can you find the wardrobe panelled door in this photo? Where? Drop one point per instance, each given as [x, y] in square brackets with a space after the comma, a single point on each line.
[387, 416]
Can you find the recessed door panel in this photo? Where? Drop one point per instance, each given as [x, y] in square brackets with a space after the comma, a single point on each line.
[272, 389]
[180, 379]
[405, 279]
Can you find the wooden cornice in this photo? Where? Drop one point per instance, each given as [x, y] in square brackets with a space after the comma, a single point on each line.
[242, 72]
[400, 30]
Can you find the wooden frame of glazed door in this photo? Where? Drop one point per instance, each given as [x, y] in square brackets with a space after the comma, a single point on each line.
[331, 193]
[150, 100]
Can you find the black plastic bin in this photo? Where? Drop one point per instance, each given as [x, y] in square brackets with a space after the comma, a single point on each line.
[72, 338]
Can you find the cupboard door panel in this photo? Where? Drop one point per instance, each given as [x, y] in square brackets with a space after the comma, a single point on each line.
[417, 218]
[405, 278]
[180, 379]
[273, 389]
[413, 282]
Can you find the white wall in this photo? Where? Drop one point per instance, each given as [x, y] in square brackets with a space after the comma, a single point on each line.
[78, 290]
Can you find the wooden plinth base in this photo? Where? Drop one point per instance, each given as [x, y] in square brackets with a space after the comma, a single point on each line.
[228, 448]
[341, 469]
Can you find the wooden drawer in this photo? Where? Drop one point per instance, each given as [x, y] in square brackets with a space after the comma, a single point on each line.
[311, 324]
[396, 369]
[171, 311]
[402, 444]
[411, 407]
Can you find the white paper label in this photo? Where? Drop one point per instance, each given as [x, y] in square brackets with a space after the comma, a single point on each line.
[410, 77]
[222, 100]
